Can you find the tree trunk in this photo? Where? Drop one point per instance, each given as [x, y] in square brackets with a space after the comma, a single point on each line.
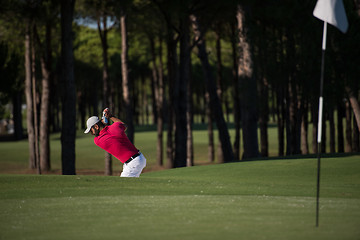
[355, 140]
[154, 82]
[348, 138]
[354, 104]
[324, 135]
[298, 119]
[45, 102]
[280, 116]
[332, 130]
[340, 128]
[144, 109]
[35, 105]
[291, 103]
[248, 87]
[314, 111]
[189, 117]
[125, 77]
[29, 103]
[160, 107]
[157, 101]
[219, 87]
[105, 71]
[219, 67]
[172, 75]
[304, 131]
[236, 97]
[211, 86]
[180, 95]
[211, 147]
[263, 120]
[105, 79]
[68, 131]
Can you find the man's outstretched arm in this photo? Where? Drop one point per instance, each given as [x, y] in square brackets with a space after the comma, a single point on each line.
[114, 119]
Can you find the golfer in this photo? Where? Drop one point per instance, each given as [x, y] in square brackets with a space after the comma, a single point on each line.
[112, 138]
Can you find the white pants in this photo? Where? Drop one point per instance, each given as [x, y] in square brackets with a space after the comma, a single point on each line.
[134, 168]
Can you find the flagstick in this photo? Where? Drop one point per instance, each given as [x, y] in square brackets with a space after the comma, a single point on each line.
[320, 122]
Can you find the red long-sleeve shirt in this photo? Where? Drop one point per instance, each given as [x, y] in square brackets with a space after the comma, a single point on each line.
[114, 140]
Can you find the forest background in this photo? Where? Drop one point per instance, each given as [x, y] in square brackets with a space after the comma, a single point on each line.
[173, 64]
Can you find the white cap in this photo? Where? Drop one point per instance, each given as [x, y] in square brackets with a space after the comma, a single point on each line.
[91, 122]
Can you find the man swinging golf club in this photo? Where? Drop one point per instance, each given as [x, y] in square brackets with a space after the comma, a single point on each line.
[112, 138]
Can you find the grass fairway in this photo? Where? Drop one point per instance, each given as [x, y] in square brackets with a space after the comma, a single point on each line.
[272, 199]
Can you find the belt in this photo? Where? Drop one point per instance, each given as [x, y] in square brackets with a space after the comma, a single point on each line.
[133, 157]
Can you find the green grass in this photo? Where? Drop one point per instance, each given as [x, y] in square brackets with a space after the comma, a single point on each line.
[271, 199]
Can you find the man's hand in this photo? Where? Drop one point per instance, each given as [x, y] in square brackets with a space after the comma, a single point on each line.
[109, 116]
